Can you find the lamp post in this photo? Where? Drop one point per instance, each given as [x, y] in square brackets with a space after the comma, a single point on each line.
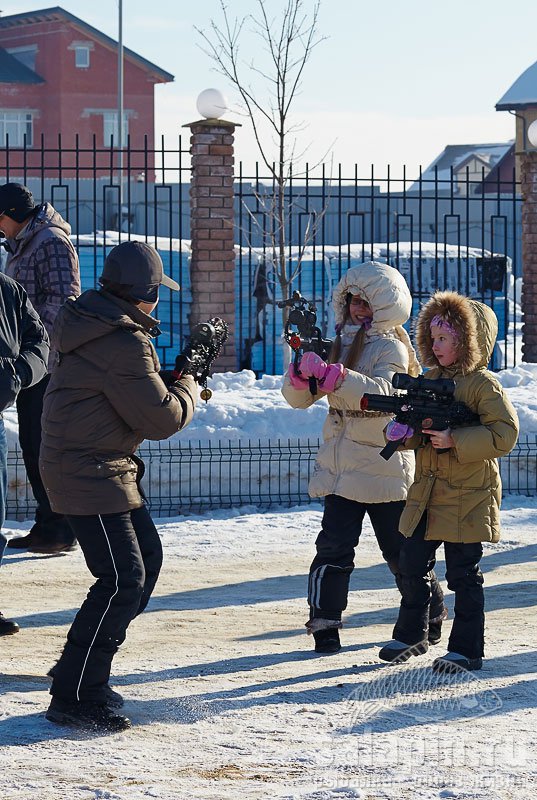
[532, 133]
[212, 263]
[120, 113]
[211, 104]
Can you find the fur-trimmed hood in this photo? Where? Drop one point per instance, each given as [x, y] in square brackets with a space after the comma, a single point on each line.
[475, 323]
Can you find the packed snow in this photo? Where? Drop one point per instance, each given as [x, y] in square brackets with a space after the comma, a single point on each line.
[227, 698]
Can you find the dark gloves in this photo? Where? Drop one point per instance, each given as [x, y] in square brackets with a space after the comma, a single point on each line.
[171, 376]
[167, 377]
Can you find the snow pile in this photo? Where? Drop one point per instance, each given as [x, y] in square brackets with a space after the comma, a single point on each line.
[243, 408]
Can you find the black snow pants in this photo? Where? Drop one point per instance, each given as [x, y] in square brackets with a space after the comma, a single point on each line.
[463, 577]
[124, 552]
[331, 568]
[50, 526]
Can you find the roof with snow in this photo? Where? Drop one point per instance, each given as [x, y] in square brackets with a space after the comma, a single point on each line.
[455, 156]
[522, 93]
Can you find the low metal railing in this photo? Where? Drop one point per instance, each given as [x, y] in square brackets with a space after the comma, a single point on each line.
[200, 476]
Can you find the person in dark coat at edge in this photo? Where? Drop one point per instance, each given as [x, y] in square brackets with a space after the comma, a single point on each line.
[105, 396]
[24, 352]
[41, 257]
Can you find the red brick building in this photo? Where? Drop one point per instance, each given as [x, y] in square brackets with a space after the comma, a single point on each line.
[58, 75]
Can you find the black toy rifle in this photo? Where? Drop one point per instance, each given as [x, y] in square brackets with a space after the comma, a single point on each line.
[302, 334]
[201, 348]
[426, 404]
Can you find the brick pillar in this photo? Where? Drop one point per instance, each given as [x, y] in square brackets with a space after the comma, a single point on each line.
[528, 177]
[212, 266]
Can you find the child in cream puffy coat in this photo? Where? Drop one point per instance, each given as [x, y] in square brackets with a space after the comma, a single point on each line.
[371, 303]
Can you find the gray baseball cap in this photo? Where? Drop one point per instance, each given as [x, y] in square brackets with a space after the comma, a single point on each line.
[139, 266]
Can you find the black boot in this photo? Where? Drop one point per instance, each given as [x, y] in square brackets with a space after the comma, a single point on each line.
[113, 699]
[7, 626]
[455, 662]
[90, 716]
[398, 652]
[435, 627]
[327, 640]
[36, 543]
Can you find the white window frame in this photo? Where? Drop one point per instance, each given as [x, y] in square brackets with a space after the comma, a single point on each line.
[110, 127]
[16, 123]
[82, 56]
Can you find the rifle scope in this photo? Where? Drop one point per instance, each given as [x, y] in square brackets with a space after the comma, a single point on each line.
[444, 386]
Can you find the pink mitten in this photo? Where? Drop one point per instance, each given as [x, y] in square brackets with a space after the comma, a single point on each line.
[395, 431]
[297, 381]
[329, 375]
[312, 365]
[333, 377]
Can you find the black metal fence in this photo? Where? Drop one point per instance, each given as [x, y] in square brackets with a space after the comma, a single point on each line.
[441, 230]
[197, 476]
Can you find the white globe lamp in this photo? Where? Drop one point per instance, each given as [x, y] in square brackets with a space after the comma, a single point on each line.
[532, 133]
[211, 104]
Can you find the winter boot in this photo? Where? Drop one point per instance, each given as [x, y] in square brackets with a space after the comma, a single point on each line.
[327, 641]
[435, 627]
[398, 652]
[35, 542]
[90, 716]
[113, 699]
[7, 626]
[455, 662]
[325, 633]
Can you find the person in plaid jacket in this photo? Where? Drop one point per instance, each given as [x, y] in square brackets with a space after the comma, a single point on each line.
[41, 257]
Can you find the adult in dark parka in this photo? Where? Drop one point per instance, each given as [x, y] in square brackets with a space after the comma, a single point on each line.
[104, 398]
[24, 352]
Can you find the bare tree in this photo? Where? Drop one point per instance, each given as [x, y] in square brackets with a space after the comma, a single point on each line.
[268, 84]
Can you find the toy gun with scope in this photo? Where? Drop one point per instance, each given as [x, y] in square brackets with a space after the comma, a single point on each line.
[302, 333]
[427, 404]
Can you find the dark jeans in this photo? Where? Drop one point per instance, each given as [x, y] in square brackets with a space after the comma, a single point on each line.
[51, 526]
[331, 568]
[124, 553]
[463, 576]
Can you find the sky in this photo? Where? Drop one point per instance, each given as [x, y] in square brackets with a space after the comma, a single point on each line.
[392, 82]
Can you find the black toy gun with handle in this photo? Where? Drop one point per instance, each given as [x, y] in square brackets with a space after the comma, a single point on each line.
[302, 334]
[426, 404]
[202, 347]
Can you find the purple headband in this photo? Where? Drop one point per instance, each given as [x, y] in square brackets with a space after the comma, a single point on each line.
[440, 322]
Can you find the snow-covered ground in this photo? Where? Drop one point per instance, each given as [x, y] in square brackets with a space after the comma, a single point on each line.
[228, 700]
[226, 696]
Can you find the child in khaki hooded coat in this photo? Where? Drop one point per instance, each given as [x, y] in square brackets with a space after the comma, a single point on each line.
[371, 303]
[456, 494]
